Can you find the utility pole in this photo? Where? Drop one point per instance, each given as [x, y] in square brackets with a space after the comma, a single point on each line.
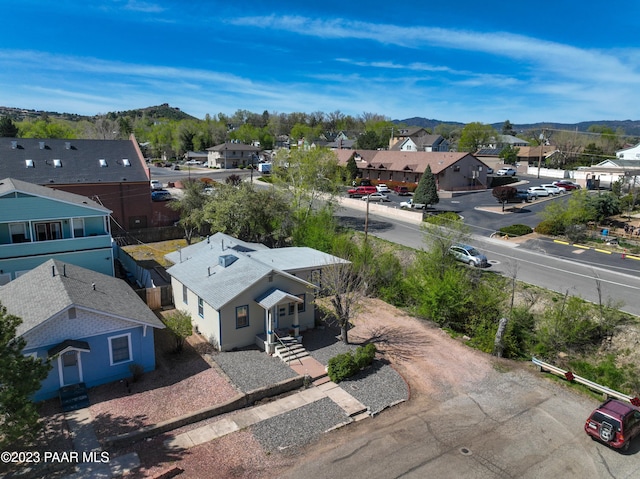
[366, 222]
[540, 157]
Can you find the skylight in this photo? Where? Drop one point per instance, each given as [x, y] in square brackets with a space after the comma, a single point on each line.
[126, 162]
[103, 163]
[29, 164]
[57, 163]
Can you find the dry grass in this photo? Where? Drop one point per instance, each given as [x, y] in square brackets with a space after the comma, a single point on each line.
[155, 251]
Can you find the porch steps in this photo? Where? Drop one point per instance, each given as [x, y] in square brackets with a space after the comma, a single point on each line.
[74, 397]
[288, 349]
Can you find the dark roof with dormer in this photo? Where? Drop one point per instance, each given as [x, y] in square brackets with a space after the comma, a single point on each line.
[64, 162]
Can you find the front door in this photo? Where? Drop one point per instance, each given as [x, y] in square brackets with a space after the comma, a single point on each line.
[70, 368]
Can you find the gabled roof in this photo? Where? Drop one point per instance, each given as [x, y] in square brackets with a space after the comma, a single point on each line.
[618, 163]
[55, 286]
[79, 161]
[11, 185]
[534, 151]
[415, 161]
[233, 147]
[200, 268]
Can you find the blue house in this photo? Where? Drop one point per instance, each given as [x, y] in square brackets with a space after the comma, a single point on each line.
[39, 223]
[93, 327]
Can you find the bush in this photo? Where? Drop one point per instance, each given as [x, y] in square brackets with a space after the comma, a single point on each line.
[345, 365]
[550, 227]
[342, 367]
[364, 355]
[136, 371]
[442, 218]
[516, 230]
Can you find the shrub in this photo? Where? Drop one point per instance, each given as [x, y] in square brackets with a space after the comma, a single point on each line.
[442, 218]
[136, 371]
[550, 227]
[364, 355]
[345, 365]
[516, 230]
[342, 367]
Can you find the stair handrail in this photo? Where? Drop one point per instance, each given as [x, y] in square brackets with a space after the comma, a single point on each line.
[286, 346]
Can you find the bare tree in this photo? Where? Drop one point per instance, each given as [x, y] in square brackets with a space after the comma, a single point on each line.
[498, 345]
[344, 288]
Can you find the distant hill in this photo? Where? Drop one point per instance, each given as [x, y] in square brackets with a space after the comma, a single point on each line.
[163, 111]
[630, 127]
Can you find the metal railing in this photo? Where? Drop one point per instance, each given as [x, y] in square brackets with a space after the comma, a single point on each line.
[608, 392]
[287, 348]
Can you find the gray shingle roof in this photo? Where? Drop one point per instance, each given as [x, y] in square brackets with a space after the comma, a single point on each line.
[79, 160]
[9, 185]
[38, 295]
[197, 266]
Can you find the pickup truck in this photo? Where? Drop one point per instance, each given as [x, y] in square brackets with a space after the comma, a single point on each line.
[411, 205]
[402, 191]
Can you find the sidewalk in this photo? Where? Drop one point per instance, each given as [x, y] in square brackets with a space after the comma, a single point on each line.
[247, 417]
[85, 442]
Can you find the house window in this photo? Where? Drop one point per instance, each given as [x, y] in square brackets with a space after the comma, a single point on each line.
[200, 307]
[184, 294]
[282, 311]
[120, 349]
[242, 316]
[316, 277]
[48, 231]
[78, 227]
[301, 306]
[18, 232]
[291, 308]
[70, 358]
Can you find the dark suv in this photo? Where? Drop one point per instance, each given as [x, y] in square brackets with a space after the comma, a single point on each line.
[615, 423]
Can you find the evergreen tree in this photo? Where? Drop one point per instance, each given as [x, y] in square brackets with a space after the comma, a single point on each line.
[426, 192]
[20, 378]
[7, 128]
[352, 169]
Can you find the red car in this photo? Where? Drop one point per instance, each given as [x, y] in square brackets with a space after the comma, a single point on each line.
[567, 185]
[615, 423]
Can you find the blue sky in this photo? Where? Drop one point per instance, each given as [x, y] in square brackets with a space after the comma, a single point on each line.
[488, 61]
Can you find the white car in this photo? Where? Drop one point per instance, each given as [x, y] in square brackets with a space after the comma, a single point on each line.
[536, 191]
[506, 172]
[156, 185]
[553, 189]
[382, 188]
[376, 197]
[193, 163]
[411, 205]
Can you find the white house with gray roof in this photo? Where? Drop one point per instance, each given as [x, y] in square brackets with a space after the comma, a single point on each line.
[240, 293]
[91, 326]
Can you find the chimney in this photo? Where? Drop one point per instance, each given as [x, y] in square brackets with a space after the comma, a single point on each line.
[93, 286]
[41, 143]
[67, 145]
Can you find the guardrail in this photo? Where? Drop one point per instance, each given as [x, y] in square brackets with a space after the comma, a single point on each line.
[569, 376]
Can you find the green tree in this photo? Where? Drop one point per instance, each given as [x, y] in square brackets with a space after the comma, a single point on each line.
[507, 128]
[352, 169]
[191, 209]
[7, 128]
[250, 214]
[369, 140]
[475, 136]
[509, 155]
[46, 129]
[20, 378]
[311, 176]
[426, 192]
[179, 323]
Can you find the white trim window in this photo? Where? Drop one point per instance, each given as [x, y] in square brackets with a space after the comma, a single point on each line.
[242, 316]
[185, 294]
[200, 307]
[78, 227]
[120, 349]
[18, 232]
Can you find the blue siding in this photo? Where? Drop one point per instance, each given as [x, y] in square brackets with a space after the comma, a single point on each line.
[96, 365]
[100, 260]
[35, 208]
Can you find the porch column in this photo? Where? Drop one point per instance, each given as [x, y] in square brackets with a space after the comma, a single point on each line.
[270, 338]
[296, 323]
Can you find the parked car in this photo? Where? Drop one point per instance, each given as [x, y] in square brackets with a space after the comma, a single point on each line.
[361, 191]
[376, 197]
[382, 188]
[161, 195]
[155, 185]
[521, 196]
[553, 189]
[402, 191]
[538, 191]
[489, 170]
[506, 172]
[614, 423]
[409, 204]
[175, 166]
[193, 163]
[567, 185]
[468, 254]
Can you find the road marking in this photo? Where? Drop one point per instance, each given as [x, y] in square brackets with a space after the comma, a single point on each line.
[560, 242]
[602, 251]
[581, 246]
